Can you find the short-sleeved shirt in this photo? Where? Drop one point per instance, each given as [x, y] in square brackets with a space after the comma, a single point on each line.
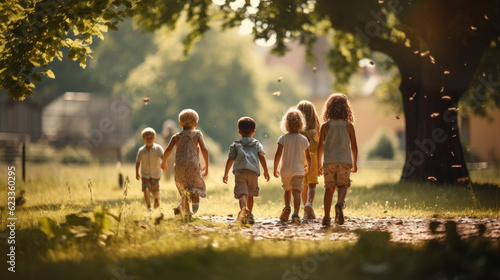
[292, 163]
[245, 152]
[150, 160]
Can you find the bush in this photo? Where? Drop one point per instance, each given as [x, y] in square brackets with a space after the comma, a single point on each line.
[70, 155]
[383, 149]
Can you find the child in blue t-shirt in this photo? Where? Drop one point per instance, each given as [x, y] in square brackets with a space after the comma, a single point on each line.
[245, 154]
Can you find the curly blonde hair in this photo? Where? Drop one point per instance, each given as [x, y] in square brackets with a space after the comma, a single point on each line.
[309, 112]
[337, 107]
[293, 121]
[188, 118]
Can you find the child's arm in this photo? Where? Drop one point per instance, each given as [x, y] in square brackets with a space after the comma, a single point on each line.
[277, 158]
[354, 147]
[262, 159]
[229, 163]
[137, 176]
[308, 159]
[204, 153]
[321, 146]
[168, 150]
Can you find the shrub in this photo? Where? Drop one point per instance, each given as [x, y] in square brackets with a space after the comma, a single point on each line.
[384, 149]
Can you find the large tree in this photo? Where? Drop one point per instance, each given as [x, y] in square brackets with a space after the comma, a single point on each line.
[437, 46]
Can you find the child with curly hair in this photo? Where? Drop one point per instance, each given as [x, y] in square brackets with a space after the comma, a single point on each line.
[293, 147]
[312, 133]
[337, 144]
[188, 174]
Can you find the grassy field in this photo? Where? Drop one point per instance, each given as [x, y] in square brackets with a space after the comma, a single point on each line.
[78, 224]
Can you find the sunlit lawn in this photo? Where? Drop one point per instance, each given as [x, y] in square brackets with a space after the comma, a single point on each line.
[172, 248]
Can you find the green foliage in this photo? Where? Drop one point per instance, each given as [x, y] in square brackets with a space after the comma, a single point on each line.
[222, 79]
[79, 227]
[112, 59]
[383, 149]
[35, 32]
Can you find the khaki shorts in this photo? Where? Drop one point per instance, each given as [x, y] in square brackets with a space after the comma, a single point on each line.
[337, 175]
[312, 177]
[152, 184]
[293, 183]
[246, 183]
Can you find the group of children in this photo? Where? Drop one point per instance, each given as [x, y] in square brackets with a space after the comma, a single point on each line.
[305, 151]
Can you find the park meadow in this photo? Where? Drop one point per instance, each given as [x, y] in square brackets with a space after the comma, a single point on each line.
[79, 223]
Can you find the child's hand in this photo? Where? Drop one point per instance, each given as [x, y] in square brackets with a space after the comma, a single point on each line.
[306, 170]
[276, 173]
[266, 175]
[137, 176]
[163, 165]
[204, 171]
[320, 170]
[354, 169]
[224, 179]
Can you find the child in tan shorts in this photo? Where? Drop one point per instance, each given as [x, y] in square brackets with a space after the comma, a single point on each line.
[245, 154]
[149, 158]
[293, 147]
[337, 145]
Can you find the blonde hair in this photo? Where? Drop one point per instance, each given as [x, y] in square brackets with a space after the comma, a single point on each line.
[337, 107]
[292, 121]
[188, 118]
[310, 115]
[148, 130]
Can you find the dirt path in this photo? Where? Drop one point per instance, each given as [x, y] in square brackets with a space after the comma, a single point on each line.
[401, 230]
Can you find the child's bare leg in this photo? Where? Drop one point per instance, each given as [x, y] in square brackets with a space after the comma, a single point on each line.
[146, 197]
[185, 203]
[310, 193]
[155, 190]
[243, 200]
[195, 201]
[328, 200]
[296, 201]
[288, 197]
[341, 194]
[250, 204]
[156, 198]
[305, 193]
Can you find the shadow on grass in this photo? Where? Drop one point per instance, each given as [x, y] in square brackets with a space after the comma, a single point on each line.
[372, 257]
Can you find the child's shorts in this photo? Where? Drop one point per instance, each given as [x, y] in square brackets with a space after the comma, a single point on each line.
[312, 177]
[337, 175]
[152, 184]
[293, 183]
[246, 183]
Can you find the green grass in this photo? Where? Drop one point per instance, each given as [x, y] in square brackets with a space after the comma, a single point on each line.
[175, 249]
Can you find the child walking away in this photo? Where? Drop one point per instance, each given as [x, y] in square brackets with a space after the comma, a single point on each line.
[149, 158]
[246, 153]
[337, 144]
[311, 132]
[188, 174]
[293, 147]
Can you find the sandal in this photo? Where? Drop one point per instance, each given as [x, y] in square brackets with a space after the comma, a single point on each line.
[326, 221]
[250, 219]
[285, 213]
[309, 213]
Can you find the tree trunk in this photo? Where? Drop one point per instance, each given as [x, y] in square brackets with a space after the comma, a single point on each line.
[433, 149]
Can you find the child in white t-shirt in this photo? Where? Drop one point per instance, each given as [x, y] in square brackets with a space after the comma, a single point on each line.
[149, 158]
[293, 147]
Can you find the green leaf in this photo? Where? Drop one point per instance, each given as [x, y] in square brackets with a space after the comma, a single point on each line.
[49, 73]
[48, 227]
